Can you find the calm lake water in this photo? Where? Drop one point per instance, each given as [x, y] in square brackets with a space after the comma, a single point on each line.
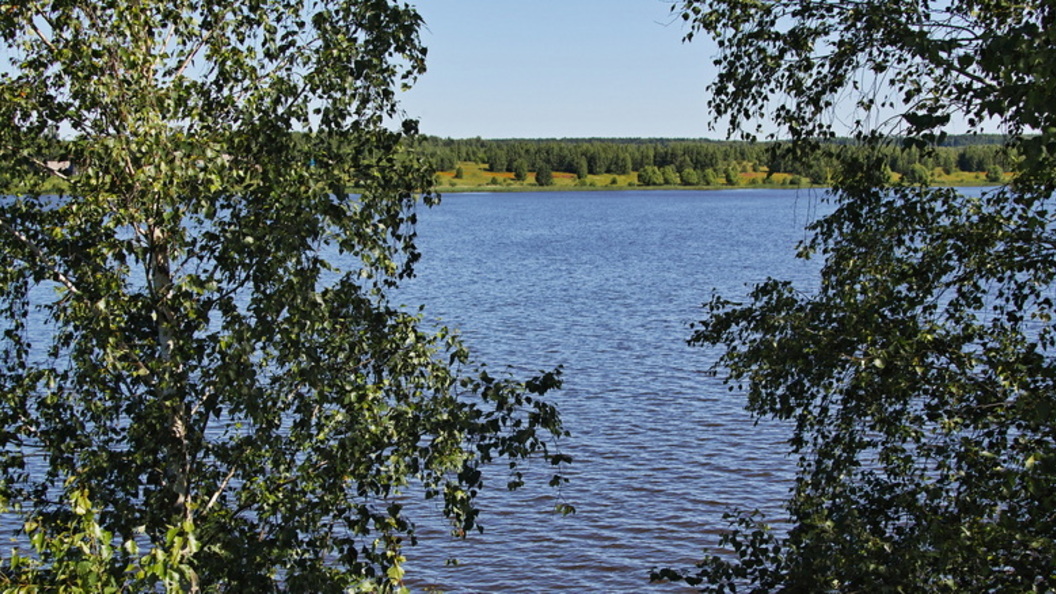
[605, 284]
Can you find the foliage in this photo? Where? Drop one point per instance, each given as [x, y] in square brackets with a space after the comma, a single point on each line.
[670, 175]
[732, 176]
[650, 176]
[520, 170]
[918, 377]
[197, 334]
[690, 177]
[917, 174]
[78, 556]
[543, 176]
[582, 167]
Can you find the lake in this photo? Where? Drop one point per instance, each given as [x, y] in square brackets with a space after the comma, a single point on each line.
[606, 284]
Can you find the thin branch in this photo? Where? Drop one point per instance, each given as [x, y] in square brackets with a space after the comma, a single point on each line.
[43, 38]
[223, 486]
[193, 54]
[57, 274]
[50, 170]
[168, 37]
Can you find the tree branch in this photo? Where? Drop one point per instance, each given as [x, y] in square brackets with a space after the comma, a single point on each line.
[57, 274]
[223, 486]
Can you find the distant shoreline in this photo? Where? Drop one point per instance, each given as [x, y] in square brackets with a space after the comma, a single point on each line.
[475, 176]
[492, 189]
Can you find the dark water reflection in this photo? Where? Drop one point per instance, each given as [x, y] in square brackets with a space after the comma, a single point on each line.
[605, 284]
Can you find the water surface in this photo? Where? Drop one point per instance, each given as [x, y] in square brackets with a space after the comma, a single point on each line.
[605, 284]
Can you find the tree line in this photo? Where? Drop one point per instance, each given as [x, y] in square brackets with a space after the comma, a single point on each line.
[705, 162]
[660, 162]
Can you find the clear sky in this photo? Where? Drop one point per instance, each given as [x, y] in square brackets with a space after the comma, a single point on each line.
[560, 69]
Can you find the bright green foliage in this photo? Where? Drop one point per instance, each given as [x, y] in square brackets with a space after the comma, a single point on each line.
[917, 174]
[76, 555]
[650, 176]
[919, 377]
[220, 370]
[732, 176]
[669, 175]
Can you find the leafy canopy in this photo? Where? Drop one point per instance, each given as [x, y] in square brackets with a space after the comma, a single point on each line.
[919, 377]
[204, 385]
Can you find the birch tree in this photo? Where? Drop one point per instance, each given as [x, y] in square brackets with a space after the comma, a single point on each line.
[204, 384]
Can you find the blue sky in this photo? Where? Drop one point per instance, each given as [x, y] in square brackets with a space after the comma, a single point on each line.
[560, 69]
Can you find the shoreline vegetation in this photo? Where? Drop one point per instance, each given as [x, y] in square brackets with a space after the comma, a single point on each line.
[519, 165]
[509, 165]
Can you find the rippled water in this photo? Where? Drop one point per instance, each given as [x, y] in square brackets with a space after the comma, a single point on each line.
[605, 284]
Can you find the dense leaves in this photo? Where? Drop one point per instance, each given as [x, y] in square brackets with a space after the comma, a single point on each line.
[918, 378]
[204, 385]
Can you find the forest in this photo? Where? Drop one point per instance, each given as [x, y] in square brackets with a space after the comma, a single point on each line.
[962, 159]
